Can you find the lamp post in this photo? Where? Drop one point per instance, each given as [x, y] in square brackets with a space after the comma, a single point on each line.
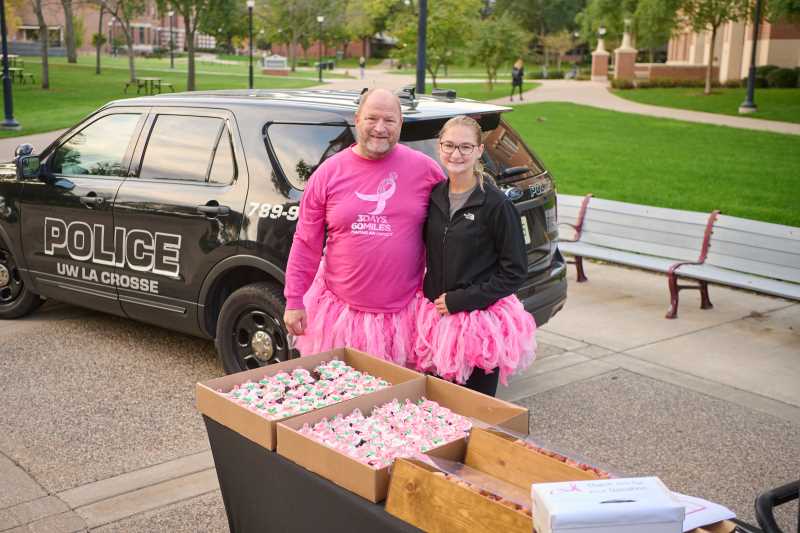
[250, 5]
[749, 105]
[171, 15]
[320, 20]
[422, 28]
[8, 123]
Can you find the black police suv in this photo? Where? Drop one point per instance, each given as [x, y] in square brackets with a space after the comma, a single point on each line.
[179, 210]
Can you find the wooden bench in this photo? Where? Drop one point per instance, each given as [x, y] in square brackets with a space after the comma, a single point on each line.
[707, 248]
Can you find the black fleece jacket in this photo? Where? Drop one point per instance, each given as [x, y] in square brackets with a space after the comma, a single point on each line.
[478, 256]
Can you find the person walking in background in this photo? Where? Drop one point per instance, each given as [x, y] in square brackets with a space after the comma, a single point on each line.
[362, 65]
[366, 206]
[517, 75]
[471, 328]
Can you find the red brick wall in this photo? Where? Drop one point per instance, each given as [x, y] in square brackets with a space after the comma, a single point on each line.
[681, 72]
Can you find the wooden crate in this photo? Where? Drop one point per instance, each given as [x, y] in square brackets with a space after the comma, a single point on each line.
[435, 504]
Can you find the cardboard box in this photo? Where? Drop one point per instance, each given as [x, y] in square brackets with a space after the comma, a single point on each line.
[622, 505]
[262, 431]
[372, 483]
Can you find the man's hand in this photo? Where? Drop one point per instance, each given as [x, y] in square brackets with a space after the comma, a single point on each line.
[296, 321]
[441, 305]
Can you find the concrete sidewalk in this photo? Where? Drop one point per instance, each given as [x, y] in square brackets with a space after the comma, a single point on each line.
[709, 402]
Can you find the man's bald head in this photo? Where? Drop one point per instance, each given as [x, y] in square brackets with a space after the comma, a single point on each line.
[382, 93]
[378, 122]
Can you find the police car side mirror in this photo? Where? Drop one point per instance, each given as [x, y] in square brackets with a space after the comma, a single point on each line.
[28, 165]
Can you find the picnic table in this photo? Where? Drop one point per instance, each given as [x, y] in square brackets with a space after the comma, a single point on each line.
[151, 85]
[19, 74]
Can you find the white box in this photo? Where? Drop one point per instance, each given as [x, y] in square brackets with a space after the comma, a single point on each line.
[623, 505]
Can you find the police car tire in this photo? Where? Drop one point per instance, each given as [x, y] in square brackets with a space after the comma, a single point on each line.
[25, 303]
[267, 297]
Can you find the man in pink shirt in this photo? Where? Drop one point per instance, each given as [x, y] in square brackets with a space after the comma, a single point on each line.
[372, 198]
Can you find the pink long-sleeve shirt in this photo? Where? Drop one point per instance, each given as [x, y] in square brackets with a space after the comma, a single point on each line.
[374, 211]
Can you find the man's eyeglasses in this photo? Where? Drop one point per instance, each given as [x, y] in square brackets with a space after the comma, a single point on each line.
[464, 148]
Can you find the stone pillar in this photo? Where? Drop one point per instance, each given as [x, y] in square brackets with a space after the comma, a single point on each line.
[625, 59]
[600, 62]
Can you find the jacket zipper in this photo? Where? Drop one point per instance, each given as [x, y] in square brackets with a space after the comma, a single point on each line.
[444, 256]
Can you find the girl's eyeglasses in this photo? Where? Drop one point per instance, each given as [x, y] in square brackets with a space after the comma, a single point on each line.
[464, 148]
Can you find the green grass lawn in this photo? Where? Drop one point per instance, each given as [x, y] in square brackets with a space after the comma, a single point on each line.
[480, 91]
[75, 91]
[773, 104]
[666, 163]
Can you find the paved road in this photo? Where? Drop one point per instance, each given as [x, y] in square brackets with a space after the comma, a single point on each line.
[98, 428]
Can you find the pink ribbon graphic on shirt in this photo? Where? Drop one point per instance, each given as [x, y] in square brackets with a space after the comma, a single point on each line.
[385, 191]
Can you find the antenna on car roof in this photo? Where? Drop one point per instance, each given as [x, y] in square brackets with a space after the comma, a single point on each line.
[358, 98]
[408, 96]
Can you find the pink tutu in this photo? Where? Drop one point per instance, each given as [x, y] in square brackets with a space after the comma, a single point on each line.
[502, 336]
[332, 323]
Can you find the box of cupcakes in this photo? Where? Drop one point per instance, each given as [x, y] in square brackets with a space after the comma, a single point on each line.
[253, 402]
[354, 444]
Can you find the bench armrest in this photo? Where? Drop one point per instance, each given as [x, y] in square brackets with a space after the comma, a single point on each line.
[574, 228]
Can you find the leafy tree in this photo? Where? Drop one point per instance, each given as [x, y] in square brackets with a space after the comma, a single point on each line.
[227, 21]
[542, 16]
[705, 15]
[293, 22]
[560, 43]
[98, 40]
[610, 14]
[655, 22]
[192, 11]
[498, 40]
[365, 18]
[69, 31]
[124, 12]
[449, 31]
[783, 9]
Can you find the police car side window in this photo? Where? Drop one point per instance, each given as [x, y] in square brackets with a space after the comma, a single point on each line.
[223, 169]
[180, 147]
[300, 148]
[98, 149]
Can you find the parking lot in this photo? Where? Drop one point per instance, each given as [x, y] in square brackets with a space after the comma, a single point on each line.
[98, 428]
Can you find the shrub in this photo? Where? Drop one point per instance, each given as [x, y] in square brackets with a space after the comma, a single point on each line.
[552, 74]
[760, 82]
[734, 84]
[763, 70]
[623, 84]
[782, 78]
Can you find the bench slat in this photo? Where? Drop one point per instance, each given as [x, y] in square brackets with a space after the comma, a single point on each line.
[696, 230]
[663, 213]
[747, 266]
[690, 244]
[758, 228]
[752, 252]
[641, 247]
[569, 200]
[658, 264]
[769, 242]
[744, 281]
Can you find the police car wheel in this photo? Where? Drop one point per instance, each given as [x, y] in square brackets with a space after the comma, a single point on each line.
[16, 299]
[250, 330]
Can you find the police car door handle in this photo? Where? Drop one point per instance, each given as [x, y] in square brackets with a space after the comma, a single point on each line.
[92, 200]
[214, 210]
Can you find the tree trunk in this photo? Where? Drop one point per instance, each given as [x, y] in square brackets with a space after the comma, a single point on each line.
[489, 76]
[44, 38]
[293, 51]
[128, 31]
[559, 59]
[190, 77]
[365, 47]
[72, 54]
[99, 41]
[710, 66]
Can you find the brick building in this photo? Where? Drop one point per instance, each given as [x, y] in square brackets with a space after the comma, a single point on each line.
[778, 44]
